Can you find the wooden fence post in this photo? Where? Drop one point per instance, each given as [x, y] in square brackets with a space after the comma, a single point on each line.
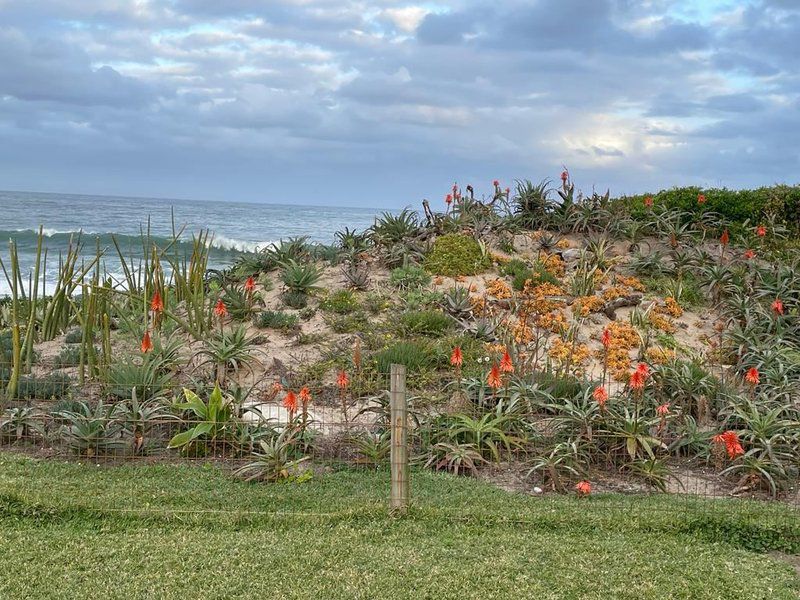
[400, 491]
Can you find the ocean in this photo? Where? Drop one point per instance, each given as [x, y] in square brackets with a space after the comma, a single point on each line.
[236, 226]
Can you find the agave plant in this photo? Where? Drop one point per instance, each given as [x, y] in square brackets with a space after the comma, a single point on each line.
[390, 229]
[91, 431]
[21, 423]
[455, 458]
[532, 204]
[300, 277]
[278, 459]
[372, 447]
[230, 350]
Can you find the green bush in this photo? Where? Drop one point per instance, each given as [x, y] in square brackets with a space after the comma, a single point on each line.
[736, 206]
[425, 322]
[409, 277]
[454, 254]
[295, 299]
[70, 356]
[52, 385]
[341, 302]
[416, 356]
[277, 319]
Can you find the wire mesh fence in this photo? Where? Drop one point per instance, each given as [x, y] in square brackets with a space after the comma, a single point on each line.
[273, 431]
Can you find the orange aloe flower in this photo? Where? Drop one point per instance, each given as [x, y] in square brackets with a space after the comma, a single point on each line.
[725, 238]
[220, 309]
[250, 284]
[605, 338]
[457, 357]
[648, 202]
[584, 488]
[777, 306]
[156, 303]
[662, 410]
[494, 380]
[506, 366]
[761, 231]
[701, 198]
[752, 376]
[730, 439]
[600, 395]
[147, 343]
[342, 380]
[305, 395]
[749, 254]
[290, 402]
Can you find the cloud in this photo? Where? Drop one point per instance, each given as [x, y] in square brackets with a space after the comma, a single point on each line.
[254, 99]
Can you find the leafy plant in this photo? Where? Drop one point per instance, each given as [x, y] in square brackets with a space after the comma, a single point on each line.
[277, 319]
[213, 420]
[454, 254]
[277, 460]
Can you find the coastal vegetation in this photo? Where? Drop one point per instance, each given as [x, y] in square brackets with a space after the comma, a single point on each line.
[586, 343]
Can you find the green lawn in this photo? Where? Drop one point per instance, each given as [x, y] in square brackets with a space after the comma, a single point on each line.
[81, 531]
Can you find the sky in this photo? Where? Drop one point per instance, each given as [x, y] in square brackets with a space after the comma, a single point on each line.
[384, 103]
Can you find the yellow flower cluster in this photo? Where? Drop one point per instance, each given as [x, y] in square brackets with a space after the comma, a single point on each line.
[659, 321]
[498, 288]
[541, 300]
[478, 304]
[619, 363]
[623, 335]
[659, 355]
[631, 282]
[587, 304]
[554, 321]
[521, 332]
[671, 307]
[564, 352]
[552, 263]
[616, 291]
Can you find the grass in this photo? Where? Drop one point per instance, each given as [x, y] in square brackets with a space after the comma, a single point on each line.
[192, 531]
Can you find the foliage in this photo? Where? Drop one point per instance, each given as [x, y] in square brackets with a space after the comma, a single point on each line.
[277, 319]
[455, 254]
[341, 302]
[425, 322]
[409, 277]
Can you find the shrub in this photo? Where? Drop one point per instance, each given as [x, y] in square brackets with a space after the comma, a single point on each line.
[416, 356]
[454, 254]
[74, 336]
[52, 385]
[295, 299]
[409, 277]
[341, 302]
[70, 356]
[735, 206]
[425, 322]
[277, 319]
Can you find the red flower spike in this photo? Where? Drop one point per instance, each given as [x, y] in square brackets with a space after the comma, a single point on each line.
[777, 306]
[752, 376]
[493, 379]
[305, 395]
[605, 338]
[156, 303]
[648, 202]
[250, 284]
[457, 357]
[701, 198]
[290, 402]
[342, 380]
[220, 309]
[147, 343]
[662, 410]
[749, 254]
[600, 395]
[761, 231]
[725, 238]
[506, 366]
[583, 488]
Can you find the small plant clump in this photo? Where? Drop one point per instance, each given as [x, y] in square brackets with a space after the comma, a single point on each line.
[455, 255]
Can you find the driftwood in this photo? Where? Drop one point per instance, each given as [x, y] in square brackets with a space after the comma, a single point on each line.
[610, 308]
